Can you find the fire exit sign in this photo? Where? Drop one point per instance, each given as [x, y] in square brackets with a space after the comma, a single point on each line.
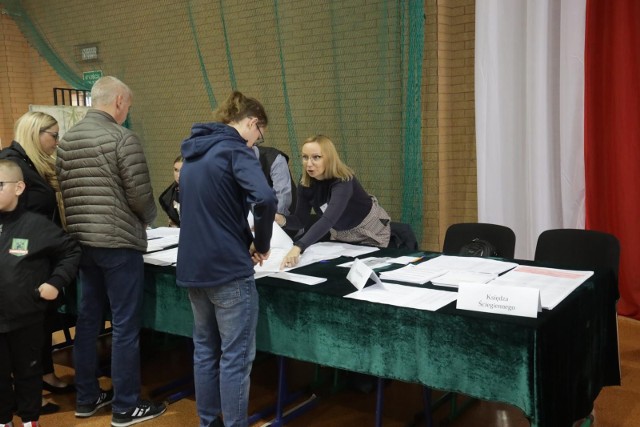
[91, 76]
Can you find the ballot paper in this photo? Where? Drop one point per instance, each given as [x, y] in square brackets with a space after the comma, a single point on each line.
[372, 262]
[163, 258]
[554, 284]
[162, 238]
[299, 278]
[412, 273]
[469, 264]
[404, 296]
[454, 278]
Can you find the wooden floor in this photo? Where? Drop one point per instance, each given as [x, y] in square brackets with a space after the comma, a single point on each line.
[166, 358]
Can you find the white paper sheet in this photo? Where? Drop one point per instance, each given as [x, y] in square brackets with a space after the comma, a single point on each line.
[371, 262]
[300, 278]
[471, 264]
[554, 284]
[404, 296]
[454, 278]
[165, 257]
[412, 273]
[153, 233]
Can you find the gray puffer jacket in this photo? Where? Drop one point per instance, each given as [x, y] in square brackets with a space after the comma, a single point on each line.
[105, 184]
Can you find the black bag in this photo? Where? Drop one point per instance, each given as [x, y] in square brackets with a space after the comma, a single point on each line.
[480, 248]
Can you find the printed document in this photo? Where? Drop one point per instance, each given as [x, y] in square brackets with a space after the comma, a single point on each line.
[554, 284]
[404, 296]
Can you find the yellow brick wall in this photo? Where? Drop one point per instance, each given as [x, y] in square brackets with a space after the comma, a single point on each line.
[170, 94]
[25, 77]
[449, 117]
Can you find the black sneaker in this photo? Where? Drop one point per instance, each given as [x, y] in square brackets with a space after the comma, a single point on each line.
[105, 398]
[144, 410]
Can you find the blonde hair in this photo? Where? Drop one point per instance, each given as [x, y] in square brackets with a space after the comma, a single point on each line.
[334, 168]
[27, 133]
[237, 106]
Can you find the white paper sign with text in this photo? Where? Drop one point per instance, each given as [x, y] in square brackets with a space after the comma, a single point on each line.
[511, 300]
[360, 273]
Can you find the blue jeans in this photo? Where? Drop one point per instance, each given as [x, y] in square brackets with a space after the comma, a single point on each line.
[116, 276]
[224, 339]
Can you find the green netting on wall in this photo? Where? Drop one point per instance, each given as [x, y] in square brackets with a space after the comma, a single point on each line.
[349, 69]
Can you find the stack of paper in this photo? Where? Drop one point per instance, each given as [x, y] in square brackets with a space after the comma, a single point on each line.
[166, 257]
[412, 273]
[404, 296]
[162, 238]
[453, 278]
[554, 285]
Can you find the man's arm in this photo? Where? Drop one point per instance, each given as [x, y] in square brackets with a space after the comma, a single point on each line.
[134, 173]
[281, 179]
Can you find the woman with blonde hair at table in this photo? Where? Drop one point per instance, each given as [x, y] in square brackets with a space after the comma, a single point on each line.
[344, 208]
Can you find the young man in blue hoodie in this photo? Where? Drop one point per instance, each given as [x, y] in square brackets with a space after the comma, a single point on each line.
[220, 181]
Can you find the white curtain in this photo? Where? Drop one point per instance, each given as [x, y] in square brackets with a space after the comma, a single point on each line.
[529, 82]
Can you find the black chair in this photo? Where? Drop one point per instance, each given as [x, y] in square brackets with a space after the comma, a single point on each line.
[575, 248]
[586, 250]
[500, 236]
[402, 236]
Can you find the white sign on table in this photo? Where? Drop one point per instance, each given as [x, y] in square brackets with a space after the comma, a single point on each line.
[499, 299]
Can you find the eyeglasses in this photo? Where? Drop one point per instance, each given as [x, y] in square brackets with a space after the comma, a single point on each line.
[2, 183]
[261, 139]
[55, 135]
[314, 159]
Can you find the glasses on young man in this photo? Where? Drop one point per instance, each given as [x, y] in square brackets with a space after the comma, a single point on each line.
[261, 139]
[55, 135]
[313, 159]
[2, 183]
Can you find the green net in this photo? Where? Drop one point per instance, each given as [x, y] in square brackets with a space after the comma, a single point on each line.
[350, 70]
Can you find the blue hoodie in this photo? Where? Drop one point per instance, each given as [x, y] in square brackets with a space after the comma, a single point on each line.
[219, 181]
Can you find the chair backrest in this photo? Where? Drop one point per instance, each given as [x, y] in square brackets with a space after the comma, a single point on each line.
[576, 248]
[500, 236]
[402, 236]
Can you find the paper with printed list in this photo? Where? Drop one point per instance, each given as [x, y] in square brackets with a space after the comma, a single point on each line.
[554, 284]
[394, 294]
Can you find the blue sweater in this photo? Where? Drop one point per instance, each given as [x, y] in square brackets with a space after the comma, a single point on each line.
[220, 180]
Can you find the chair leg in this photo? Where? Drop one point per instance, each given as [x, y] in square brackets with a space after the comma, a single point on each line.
[379, 401]
[426, 397]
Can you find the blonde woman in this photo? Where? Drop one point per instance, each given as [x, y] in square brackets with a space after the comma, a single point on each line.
[36, 137]
[344, 208]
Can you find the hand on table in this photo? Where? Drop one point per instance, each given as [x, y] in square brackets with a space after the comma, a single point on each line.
[291, 259]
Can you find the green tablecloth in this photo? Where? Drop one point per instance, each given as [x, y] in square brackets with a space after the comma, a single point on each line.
[552, 367]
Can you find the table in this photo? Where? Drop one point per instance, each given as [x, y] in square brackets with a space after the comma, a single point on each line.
[552, 367]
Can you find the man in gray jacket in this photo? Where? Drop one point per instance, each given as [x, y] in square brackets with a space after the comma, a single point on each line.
[109, 202]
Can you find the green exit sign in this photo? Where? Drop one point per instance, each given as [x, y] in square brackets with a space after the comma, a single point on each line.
[91, 76]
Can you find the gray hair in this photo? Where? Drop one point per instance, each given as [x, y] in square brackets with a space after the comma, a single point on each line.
[105, 90]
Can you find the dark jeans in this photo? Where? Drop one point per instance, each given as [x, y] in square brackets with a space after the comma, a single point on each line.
[20, 355]
[116, 276]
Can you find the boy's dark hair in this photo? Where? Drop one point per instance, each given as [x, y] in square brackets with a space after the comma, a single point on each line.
[12, 168]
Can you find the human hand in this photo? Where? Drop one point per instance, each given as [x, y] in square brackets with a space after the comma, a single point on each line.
[48, 292]
[291, 259]
[280, 220]
[258, 257]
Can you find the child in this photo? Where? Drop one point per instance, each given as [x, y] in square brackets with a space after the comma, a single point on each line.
[37, 260]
